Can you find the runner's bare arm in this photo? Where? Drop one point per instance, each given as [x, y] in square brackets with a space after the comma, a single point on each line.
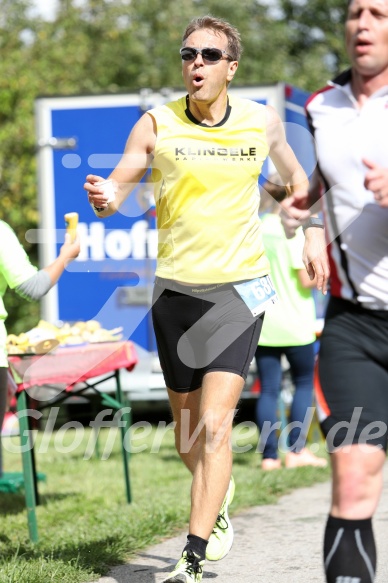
[297, 185]
[282, 155]
[129, 171]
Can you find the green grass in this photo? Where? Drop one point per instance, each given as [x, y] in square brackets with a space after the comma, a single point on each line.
[85, 524]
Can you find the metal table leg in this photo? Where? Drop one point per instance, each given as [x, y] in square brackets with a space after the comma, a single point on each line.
[30, 481]
[117, 404]
[124, 437]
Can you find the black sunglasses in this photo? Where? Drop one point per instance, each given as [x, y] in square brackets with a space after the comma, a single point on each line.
[208, 54]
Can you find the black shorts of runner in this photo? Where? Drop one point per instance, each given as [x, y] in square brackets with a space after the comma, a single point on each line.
[352, 397]
[202, 329]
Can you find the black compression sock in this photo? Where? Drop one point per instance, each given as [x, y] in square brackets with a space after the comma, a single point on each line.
[349, 551]
[196, 544]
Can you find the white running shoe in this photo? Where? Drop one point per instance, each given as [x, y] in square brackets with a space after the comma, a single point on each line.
[221, 539]
[187, 570]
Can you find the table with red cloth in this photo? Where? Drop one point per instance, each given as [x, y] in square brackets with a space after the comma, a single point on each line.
[50, 379]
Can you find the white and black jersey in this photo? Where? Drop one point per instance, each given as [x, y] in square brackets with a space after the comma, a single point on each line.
[357, 227]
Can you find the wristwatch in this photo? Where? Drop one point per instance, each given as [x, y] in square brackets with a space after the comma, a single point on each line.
[99, 209]
[313, 222]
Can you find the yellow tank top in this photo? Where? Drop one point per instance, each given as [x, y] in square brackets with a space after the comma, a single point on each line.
[206, 194]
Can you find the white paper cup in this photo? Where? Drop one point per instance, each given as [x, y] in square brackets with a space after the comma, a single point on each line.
[108, 188]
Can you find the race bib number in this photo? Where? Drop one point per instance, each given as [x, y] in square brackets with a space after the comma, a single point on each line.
[258, 294]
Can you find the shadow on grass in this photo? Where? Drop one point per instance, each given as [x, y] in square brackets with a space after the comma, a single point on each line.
[97, 555]
[56, 496]
[15, 503]
[11, 503]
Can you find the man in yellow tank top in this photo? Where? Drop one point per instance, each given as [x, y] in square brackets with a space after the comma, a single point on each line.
[206, 151]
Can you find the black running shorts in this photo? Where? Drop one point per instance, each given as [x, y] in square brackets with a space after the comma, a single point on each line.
[202, 329]
[352, 393]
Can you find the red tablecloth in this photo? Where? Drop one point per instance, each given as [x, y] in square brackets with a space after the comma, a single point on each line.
[71, 365]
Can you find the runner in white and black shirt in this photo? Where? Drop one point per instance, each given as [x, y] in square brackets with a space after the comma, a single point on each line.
[349, 122]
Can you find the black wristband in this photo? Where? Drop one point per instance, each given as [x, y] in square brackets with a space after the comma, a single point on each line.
[313, 222]
[99, 209]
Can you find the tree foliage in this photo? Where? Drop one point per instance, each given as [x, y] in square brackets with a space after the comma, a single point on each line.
[99, 46]
[316, 34]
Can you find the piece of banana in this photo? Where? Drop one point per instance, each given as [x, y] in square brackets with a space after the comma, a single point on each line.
[92, 325]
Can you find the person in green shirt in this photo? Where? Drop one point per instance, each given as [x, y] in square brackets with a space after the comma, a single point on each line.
[17, 272]
[289, 330]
